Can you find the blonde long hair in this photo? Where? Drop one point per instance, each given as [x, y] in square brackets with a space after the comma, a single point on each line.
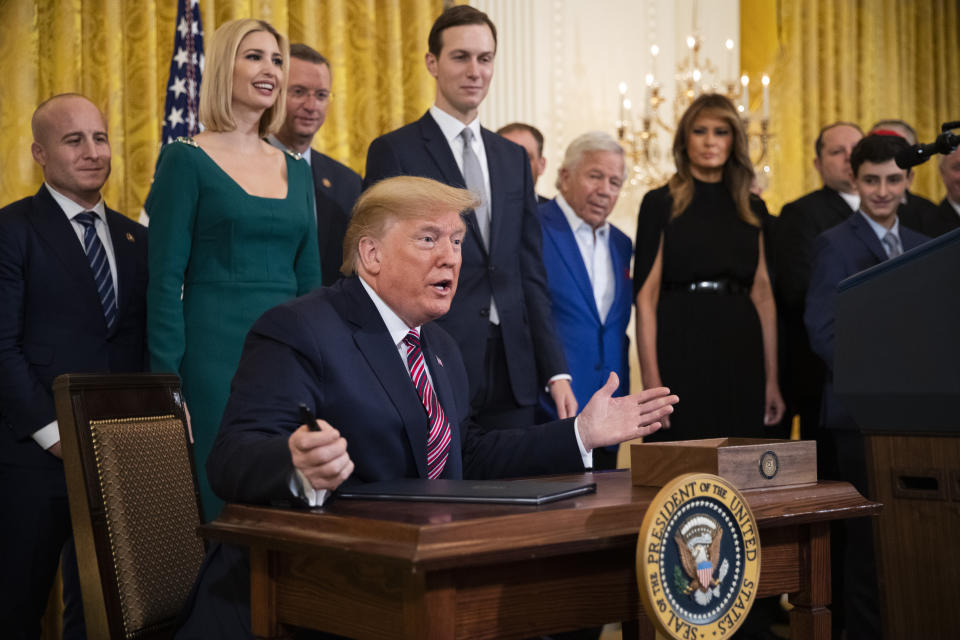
[216, 89]
[737, 170]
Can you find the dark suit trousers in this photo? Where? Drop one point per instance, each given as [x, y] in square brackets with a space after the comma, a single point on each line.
[35, 532]
[493, 405]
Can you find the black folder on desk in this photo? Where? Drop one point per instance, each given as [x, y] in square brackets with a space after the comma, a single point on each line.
[525, 491]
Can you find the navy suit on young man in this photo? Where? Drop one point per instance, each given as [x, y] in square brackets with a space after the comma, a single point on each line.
[848, 248]
[509, 270]
[52, 322]
[844, 250]
[332, 349]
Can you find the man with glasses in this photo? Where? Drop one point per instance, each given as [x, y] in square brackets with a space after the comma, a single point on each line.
[336, 185]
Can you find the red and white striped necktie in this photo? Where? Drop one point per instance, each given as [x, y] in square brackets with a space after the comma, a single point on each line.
[438, 440]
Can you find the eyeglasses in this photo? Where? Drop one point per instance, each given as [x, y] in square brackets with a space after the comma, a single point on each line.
[301, 93]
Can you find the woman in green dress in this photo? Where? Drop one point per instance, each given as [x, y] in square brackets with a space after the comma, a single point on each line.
[232, 228]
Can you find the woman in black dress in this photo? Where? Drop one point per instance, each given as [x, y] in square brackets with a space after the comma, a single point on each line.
[706, 321]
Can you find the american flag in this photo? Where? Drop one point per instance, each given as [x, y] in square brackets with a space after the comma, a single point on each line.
[183, 93]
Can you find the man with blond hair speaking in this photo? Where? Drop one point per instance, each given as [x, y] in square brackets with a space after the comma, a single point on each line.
[366, 356]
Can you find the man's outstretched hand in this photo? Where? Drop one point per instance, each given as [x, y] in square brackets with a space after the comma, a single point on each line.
[607, 420]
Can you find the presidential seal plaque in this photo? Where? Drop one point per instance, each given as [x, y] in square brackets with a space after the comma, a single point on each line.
[698, 558]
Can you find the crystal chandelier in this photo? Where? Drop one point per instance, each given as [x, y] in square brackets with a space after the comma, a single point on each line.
[647, 137]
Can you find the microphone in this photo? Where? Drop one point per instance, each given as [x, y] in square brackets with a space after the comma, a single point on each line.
[945, 143]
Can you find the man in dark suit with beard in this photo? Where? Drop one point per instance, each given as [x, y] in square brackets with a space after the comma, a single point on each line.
[367, 357]
[73, 278]
[336, 186]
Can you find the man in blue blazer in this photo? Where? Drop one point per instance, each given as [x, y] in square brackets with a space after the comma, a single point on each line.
[336, 186]
[344, 351]
[588, 270]
[501, 316]
[866, 238]
[53, 320]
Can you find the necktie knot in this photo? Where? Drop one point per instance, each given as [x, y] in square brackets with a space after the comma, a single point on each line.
[86, 218]
[412, 339]
[467, 135]
[892, 244]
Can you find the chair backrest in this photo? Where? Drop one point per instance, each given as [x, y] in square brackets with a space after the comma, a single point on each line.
[133, 497]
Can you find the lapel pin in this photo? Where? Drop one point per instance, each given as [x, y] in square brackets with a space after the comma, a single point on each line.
[439, 361]
[327, 183]
[130, 237]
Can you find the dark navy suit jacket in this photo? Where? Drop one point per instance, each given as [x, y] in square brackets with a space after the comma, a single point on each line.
[336, 187]
[511, 271]
[593, 348]
[331, 349]
[51, 319]
[844, 250]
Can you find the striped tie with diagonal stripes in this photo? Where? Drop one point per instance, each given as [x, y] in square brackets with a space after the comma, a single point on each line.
[438, 440]
[100, 266]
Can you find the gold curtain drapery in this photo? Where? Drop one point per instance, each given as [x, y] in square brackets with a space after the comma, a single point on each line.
[117, 52]
[856, 60]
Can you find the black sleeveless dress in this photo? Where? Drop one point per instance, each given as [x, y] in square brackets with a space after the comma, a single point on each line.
[709, 343]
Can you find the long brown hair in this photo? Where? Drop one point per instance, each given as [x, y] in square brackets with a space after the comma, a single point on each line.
[737, 170]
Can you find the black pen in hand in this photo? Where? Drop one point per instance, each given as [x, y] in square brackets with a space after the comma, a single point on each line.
[307, 418]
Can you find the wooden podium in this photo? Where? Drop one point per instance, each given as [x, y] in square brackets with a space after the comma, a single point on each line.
[896, 370]
[372, 569]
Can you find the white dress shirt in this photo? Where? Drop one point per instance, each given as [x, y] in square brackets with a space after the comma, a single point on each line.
[398, 329]
[594, 247]
[49, 435]
[852, 199]
[451, 129]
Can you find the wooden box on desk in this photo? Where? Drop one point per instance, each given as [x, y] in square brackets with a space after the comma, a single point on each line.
[749, 463]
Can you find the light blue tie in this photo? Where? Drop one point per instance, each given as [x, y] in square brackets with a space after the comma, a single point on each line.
[97, 256]
[892, 244]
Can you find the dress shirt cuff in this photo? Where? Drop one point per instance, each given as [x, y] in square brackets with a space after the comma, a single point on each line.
[559, 376]
[300, 487]
[47, 436]
[586, 456]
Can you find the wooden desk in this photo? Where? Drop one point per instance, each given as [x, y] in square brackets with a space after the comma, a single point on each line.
[368, 569]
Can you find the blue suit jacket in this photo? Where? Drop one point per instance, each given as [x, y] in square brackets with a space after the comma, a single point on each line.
[336, 188]
[331, 350]
[51, 320]
[511, 271]
[840, 252]
[593, 348]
